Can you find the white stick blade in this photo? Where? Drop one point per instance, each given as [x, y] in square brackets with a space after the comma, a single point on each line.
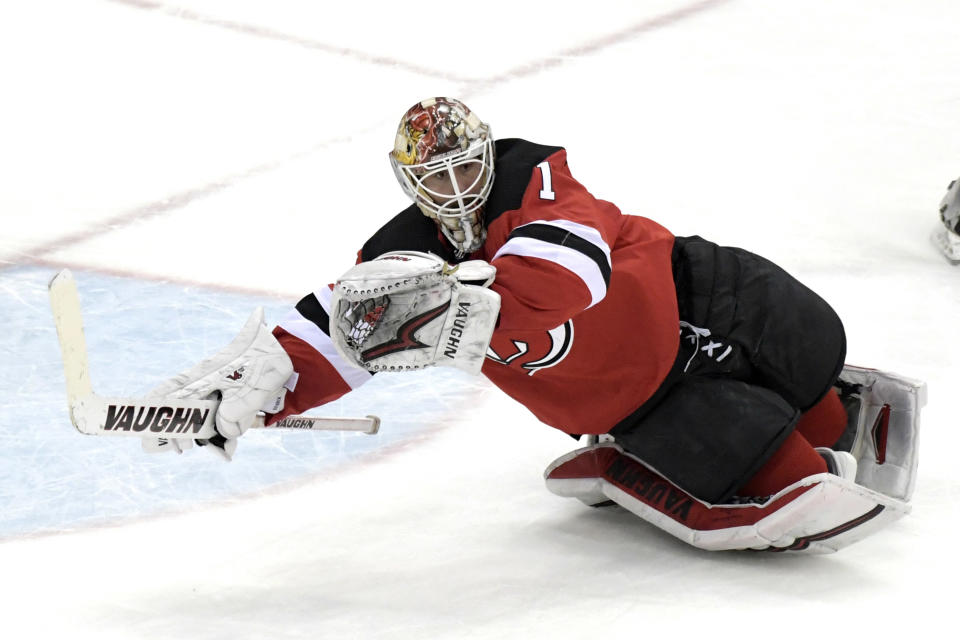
[65, 303]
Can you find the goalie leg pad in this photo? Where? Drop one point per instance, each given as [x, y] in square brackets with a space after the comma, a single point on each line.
[819, 514]
[884, 428]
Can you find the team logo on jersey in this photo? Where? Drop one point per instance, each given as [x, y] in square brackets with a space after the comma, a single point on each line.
[543, 353]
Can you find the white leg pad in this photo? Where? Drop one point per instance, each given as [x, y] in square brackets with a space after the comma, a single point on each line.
[819, 514]
[887, 430]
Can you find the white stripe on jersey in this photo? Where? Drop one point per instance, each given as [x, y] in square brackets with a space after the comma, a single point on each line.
[296, 325]
[579, 263]
[324, 296]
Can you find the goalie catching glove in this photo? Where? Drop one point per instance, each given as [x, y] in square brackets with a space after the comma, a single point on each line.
[409, 310]
[250, 374]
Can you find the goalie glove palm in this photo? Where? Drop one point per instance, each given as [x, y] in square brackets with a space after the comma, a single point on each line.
[248, 375]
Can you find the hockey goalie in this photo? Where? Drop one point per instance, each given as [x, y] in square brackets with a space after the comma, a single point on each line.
[707, 386]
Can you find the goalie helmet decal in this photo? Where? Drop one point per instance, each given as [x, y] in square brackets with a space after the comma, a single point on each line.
[435, 127]
[443, 159]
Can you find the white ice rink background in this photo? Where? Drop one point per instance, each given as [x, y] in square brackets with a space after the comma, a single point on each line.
[191, 160]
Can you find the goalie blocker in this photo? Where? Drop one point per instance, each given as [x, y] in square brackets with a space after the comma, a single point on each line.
[819, 514]
[251, 372]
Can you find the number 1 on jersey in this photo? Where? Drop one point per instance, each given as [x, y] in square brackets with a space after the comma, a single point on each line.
[546, 193]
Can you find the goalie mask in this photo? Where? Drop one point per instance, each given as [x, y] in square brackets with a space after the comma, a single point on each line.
[409, 310]
[443, 159]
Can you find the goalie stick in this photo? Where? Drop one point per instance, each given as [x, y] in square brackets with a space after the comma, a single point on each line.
[147, 417]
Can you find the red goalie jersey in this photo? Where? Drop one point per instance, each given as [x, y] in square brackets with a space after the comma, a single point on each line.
[588, 326]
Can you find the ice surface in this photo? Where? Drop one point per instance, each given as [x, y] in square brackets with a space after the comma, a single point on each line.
[192, 160]
[138, 334]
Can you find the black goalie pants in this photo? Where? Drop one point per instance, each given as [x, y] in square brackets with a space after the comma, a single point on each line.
[757, 348]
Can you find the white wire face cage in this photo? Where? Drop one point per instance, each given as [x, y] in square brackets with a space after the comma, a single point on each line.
[458, 212]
